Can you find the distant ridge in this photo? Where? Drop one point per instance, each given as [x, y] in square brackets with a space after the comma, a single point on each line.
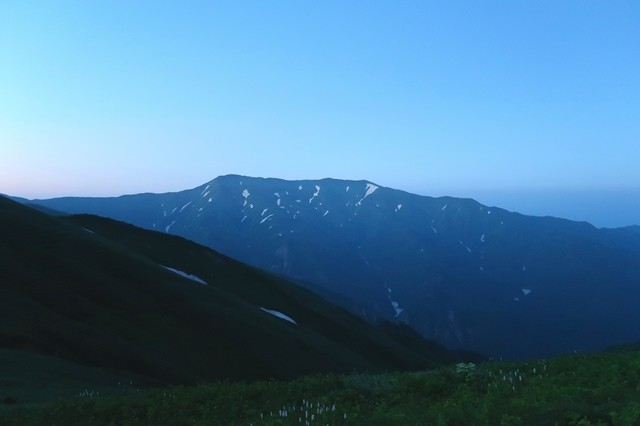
[467, 275]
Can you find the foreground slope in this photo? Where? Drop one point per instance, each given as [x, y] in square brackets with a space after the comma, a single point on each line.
[577, 390]
[467, 275]
[97, 308]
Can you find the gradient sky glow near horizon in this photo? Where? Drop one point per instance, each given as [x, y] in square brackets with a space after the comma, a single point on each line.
[475, 99]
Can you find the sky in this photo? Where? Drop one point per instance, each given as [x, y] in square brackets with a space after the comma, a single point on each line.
[532, 106]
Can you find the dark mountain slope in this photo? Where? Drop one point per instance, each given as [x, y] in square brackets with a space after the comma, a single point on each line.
[467, 275]
[98, 294]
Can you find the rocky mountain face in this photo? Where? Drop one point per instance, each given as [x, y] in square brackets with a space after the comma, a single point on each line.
[464, 274]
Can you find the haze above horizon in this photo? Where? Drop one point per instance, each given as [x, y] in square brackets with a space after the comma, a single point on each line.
[516, 104]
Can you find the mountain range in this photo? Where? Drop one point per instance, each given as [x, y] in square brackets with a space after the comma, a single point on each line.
[464, 274]
[88, 301]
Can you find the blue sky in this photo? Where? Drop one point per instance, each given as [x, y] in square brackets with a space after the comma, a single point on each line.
[476, 99]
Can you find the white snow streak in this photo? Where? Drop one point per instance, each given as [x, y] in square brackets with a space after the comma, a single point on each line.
[371, 188]
[262, 221]
[325, 213]
[396, 307]
[482, 238]
[526, 291]
[279, 315]
[169, 226]
[263, 212]
[186, 275]
[315, 194]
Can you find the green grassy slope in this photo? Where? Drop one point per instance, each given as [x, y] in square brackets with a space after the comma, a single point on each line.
[575, 390]
[98, 301]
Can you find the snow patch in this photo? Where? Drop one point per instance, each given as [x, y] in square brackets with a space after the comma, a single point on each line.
[482, 238]
[168, 227]
[325, 213]
[435, 231]
[263, 212]
[526, 291]
[398, 207]
[205, 190]
[396, 307]
[186, 275]
[245, 193]
[89, 230]
[184, 207]
[347, 190]
[279, 315]
[315, 194]
[445, 206]
[210, 200]
[262, 221]
[371, 188]
[299, 187]
[243, 219]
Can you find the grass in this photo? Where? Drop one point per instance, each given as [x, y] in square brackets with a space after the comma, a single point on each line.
[602, 389]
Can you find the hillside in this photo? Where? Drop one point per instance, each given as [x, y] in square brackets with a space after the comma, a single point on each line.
[92, 302]
[467, 275]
